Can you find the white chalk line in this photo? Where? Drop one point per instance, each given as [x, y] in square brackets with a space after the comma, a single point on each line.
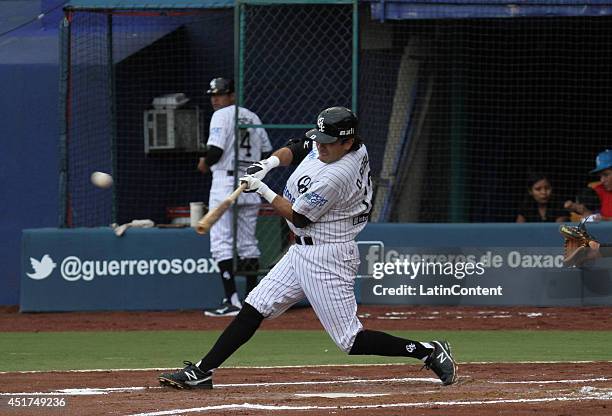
[340, 395]
[265, 407]
[605, 393]
[102, 391]
[585, 380]
[99, 391]
[271, 367]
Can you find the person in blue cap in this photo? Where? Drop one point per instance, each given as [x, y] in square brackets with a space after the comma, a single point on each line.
[603, 189]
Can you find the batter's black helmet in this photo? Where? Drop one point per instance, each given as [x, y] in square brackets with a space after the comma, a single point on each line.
[219, 86]
[334, 123]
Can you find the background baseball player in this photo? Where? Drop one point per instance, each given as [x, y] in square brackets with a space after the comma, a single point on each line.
[220, 160]
[580, 247]
[326, 202]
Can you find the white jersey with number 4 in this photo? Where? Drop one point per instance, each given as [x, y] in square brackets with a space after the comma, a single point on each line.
[253, 141]
[336, 196]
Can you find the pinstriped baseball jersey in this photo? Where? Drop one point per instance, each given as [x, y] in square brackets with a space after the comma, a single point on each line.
[253, 142]
[336, 196]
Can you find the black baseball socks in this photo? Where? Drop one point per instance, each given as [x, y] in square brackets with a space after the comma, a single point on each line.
[251, 266]
[227, 275]
[380, 343]
[238, 332]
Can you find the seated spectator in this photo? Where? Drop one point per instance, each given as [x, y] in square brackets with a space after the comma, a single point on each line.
[598, 196]
[540, 205]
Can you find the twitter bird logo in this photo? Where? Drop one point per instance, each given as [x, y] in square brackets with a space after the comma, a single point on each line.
[42, 268]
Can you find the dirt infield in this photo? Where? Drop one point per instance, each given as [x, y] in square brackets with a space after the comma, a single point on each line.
[379, 317]
[483, 388]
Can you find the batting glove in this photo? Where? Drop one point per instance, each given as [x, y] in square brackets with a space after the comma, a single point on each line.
[252, 182]
[260, 169]
[256, 185]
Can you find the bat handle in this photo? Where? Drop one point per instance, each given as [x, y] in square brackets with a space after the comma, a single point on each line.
[211, 217]
[234, 195]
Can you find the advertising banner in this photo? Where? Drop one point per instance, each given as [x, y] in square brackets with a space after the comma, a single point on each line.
[478, 276]
[411, 264]
[93, 269]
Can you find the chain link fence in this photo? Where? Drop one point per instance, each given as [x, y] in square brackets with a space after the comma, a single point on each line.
[293, 61]
[289, 61]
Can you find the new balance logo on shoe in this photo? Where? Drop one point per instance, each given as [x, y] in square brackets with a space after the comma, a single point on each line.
[190, 377]
[442, 363]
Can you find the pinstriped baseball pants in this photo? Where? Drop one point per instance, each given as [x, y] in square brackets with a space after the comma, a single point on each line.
[221, 233]
[325, 275]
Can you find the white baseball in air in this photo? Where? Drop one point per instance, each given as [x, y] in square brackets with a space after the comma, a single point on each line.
[102, 180]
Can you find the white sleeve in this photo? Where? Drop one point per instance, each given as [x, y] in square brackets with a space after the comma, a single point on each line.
[266, 146]
[319, 199]
[217, 134]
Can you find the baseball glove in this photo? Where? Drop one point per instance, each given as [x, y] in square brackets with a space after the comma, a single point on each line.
[576, 243]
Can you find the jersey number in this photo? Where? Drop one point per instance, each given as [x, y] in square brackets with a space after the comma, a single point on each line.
[245, 141]
[366, 201]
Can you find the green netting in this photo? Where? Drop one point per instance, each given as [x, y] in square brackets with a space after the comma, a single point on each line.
[116, 65]
[294, 60]
[458, 113]
[117, 61]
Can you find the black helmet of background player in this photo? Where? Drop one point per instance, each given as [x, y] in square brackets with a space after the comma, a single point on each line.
[336, 123]
[220, 86]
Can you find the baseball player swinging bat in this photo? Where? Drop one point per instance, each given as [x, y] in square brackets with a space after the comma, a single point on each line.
[208, 220]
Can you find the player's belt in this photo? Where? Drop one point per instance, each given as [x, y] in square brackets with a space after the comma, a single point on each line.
[231, 172]
[303, 241]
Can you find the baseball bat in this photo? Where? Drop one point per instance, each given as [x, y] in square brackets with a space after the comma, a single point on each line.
[208, 220]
